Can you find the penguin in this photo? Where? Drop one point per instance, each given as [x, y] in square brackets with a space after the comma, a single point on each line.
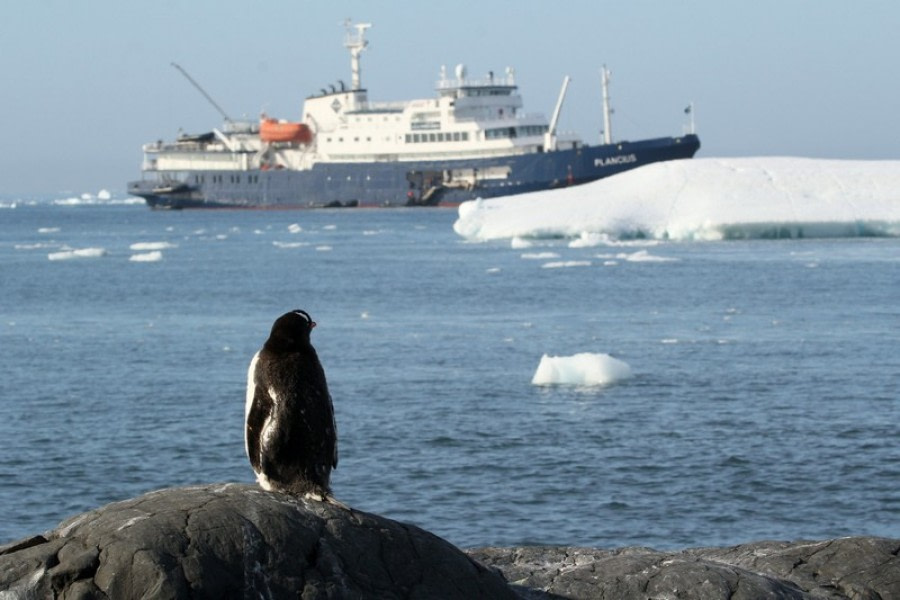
[290, 434]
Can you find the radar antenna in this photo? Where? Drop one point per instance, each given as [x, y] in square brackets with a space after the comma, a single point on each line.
[356, 43]
[202, 91]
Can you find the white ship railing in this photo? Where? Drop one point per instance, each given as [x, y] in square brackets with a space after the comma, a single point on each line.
[487, 81]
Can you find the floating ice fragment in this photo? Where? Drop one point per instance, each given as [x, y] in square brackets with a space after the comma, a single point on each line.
[563, 264]
[104, 195]
[152, 246]
[78, 253]
[539, 255]
[154, 256]
[323, 248]
[48, 230]
[644, 256]
[290, 244]
[589, 240]
[518, 243]
[583, 369]
[294, 228]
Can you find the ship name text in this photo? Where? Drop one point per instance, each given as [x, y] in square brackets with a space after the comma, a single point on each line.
[621, 159]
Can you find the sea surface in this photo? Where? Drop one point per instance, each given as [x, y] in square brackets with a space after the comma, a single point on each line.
[763, 399]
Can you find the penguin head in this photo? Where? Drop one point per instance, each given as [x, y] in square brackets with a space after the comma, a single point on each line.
[291, 330]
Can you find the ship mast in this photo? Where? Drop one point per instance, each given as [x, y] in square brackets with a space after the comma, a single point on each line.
[356, 43]
[607, 122]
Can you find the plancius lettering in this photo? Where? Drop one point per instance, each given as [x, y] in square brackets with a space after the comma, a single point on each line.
[622, 159]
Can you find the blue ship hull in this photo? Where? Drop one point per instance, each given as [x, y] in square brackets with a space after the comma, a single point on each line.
[418, 183]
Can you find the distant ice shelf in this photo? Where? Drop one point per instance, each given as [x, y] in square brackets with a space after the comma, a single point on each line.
[704, 199]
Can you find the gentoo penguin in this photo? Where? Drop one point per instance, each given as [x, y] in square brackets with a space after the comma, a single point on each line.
[290, 435]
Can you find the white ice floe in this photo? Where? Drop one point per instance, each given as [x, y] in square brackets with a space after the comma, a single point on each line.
[565, 264]
[154, 256]
[152, 246]
[582, 369]
[48, 230]
[709, 199]
[294, 228]
[644, 256]
[518, 243]
[539, 255]
[102, 197]
[77, 253]
[289, 244]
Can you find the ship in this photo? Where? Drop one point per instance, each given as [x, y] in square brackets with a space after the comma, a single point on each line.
[472, 140]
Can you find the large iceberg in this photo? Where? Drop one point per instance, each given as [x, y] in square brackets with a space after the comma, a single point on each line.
[711, 198]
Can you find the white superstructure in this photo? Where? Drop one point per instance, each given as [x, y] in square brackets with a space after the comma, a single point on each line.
[469, 118]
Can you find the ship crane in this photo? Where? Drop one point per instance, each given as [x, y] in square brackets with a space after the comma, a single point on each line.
[202, 91]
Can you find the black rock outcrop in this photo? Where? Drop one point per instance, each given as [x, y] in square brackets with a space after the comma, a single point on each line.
[237, 541]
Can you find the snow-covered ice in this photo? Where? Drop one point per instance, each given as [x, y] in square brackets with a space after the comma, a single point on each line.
[703, 199]
[581, 369]
[152, 246]
[154, 256]
[77, 253]
[565, 264]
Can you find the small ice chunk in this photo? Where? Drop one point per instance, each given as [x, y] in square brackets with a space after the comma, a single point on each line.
[154, 256]
[583, 369]
[78, 253]
[564, 264]
[152, 246]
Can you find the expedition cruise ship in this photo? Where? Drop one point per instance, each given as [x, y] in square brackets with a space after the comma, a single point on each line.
[471, 141]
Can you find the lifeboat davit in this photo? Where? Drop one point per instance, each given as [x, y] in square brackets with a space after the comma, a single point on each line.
[273, 130]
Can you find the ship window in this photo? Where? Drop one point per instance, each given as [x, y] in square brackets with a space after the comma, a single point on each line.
[465, 136]
[431, 137]
[408, 138]
[455, 136]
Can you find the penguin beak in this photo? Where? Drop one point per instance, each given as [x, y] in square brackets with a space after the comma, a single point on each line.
[312, 325]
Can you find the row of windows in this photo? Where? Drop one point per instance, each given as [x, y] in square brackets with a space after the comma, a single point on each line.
[510, 132]
[221, 178]
[455, 136]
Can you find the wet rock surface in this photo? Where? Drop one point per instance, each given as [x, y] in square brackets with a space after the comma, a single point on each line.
[857, 567]
[237, 541]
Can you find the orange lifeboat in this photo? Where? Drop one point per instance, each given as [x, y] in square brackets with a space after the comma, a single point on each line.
[272, 130]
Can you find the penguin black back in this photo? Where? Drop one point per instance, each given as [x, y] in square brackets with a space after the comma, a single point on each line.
[290, 433]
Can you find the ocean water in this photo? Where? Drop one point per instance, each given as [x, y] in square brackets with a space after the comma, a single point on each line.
[762, 401]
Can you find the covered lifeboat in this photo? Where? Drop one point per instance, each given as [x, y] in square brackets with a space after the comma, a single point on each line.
[273, 130]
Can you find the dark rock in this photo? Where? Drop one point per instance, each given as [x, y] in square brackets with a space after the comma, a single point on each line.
[236, 541]
[860, 568]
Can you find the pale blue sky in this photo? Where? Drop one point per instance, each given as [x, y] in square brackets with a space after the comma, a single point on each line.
[84, 84]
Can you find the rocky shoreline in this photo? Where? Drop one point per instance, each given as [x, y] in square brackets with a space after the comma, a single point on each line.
[236, 541]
